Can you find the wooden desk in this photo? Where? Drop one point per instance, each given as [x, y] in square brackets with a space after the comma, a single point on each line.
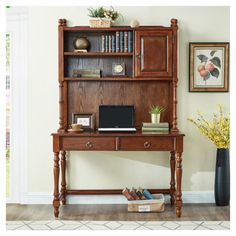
[63, 142]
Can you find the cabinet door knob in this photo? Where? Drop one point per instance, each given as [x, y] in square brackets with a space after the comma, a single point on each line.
[147, 144]
[89, 145]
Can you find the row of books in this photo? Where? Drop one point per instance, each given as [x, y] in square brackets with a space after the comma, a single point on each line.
[137, 194]
[121, 41]
[155, 127]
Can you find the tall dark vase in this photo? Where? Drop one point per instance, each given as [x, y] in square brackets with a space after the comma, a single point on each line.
[222, 177]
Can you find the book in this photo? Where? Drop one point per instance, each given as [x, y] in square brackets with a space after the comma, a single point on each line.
[132, 192]
[162, 124]
[113, 43]
[140, 194]
[81, 50]
[121, 41]
[126, 193]
[109, 43]
[154, 129]
[147, 194]
[86, 73]
[130, 41]
[90, 76]
[117, 41]
[106, 43]
[103, 43]
[155, 132]
[126, 41]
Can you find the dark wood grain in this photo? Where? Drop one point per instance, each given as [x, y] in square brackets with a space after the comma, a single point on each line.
[174, 25]
[86, 97]
[56, 172]
[96, 62]
[153, 53]
[172, 178]
[63, 178]
[150, 79]
[109, 191]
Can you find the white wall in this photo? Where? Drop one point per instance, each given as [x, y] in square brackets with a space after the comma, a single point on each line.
[120, 169]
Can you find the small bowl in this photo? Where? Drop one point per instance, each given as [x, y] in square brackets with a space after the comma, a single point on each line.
[76, 126]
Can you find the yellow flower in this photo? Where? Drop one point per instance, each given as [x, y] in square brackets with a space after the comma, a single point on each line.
[217, 130]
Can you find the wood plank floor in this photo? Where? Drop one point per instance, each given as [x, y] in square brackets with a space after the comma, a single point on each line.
[117, 212]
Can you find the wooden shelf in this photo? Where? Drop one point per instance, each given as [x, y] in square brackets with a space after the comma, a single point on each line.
[99, 79]
[117, 79]
[115, 28]
[92, 54]
[89, 29]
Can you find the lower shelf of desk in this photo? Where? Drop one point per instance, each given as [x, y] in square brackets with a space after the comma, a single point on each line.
[109, 191]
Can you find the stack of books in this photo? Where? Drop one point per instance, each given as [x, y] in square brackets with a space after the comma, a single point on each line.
[86, 73]
[137, 194]
[154, 128]
[121, 41]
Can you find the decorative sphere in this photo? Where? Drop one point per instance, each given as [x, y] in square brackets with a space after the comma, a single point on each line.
[134, 23]
[81, 43]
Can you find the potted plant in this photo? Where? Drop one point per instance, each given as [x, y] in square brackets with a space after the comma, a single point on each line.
[155, 112]
[101, 17]
[218, 131]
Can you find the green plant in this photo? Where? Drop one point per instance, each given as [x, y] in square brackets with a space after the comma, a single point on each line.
[101, 12]
[156, 109]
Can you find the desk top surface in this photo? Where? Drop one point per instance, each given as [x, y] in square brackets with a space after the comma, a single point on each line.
[115, 134]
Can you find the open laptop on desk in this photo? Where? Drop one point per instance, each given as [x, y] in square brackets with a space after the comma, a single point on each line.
[113, 118]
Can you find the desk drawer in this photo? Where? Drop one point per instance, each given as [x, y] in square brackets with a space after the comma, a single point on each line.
[88, 143]
[146, 143]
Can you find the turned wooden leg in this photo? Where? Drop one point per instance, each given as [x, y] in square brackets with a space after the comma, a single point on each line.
[56, 172]
[63, 177]
[178, 193]
[172, 179]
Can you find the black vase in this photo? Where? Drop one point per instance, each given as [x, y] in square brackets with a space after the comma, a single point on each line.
[222, 177]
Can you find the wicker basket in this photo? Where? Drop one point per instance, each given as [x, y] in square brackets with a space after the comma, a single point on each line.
[100, 23]
[151, 205]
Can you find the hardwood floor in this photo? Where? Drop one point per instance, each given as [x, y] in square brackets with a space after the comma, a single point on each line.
[117, 212]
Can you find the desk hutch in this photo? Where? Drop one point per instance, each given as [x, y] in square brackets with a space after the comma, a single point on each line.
[151, 78]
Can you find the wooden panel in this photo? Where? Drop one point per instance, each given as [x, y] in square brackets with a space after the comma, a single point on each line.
[85, 97]
[153, 53]
[88, 143]
[146, 144]
[93, 62]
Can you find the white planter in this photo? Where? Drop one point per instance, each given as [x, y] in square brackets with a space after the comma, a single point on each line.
[155, 118]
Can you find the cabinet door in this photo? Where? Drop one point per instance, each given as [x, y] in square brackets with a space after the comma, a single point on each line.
[153, 53]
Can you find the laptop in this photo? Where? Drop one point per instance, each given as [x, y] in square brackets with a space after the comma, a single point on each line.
[116, 118]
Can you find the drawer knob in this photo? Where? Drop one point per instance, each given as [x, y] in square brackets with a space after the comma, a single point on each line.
[147, 144]
[89, 145]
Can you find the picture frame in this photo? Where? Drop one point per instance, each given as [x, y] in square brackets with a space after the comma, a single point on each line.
[208, 67]
[85, 119]
[118, 69]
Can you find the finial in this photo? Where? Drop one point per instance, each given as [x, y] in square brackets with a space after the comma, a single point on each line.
[174, 22]
[62, 22]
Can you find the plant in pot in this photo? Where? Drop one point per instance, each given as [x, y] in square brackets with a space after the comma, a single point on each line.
[155, 112]
[101, 17]
[218, 131]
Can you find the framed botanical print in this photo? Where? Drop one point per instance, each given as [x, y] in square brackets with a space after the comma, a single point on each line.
[208, 67]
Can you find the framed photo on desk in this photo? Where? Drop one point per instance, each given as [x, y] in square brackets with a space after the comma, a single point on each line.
[84, 119]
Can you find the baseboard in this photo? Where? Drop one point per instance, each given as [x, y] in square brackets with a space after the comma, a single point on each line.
[46, 198]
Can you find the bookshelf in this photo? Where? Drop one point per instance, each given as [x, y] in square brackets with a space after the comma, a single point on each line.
[150, 78]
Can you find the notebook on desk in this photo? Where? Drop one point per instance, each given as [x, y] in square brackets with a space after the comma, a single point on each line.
[114, 118]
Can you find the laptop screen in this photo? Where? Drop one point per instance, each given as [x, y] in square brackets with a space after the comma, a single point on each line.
[116, 116]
